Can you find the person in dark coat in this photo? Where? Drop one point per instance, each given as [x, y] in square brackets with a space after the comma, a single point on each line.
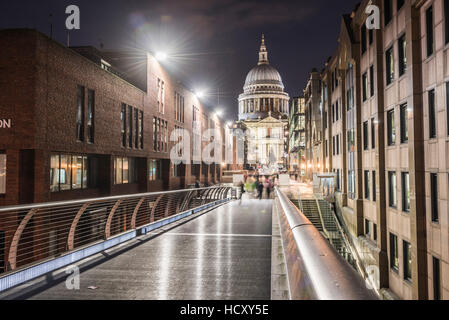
[259, 189]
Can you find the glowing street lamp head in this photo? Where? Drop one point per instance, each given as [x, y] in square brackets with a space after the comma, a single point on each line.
[161, 56]
[199, 94]
[219, 113]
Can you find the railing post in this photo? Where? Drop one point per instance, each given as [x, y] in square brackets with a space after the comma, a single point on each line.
[107, 232]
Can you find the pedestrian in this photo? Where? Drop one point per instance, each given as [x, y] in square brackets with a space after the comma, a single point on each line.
[260, 190]
[269, 186]
[242, 190]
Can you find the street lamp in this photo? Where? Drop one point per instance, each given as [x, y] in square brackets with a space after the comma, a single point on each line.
[161, 56]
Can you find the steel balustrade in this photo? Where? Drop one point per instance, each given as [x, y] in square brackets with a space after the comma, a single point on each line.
[39, 232]
[315, 270]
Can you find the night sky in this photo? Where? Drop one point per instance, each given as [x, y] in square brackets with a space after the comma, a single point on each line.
[212, 44]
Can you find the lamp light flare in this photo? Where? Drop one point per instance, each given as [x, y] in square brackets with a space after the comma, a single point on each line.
[161, 56]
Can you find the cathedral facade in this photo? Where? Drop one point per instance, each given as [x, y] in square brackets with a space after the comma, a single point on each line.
[263, 111]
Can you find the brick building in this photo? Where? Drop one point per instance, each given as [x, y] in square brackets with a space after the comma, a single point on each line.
[84, 124]
[385, 122]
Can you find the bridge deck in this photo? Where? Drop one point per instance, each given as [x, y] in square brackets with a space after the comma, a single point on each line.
[224, 254]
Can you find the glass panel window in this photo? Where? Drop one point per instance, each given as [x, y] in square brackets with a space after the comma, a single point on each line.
[434, 197]
[429, 31]
[373, 178]
[391, 128]
[367, 228]
[407, 255]
[2, 173]
[405, 192]
[394, 256]
[365, 135]
[80, 114]
[123, 125]
[65, 172]
[388, 11]
[118, 164]
[446, 21]
[436, 278]
[365, 86]
[77, 172]
[125, 170]
[367, 184]
[363, 37]
[374, 232]
[404, 123]
[402, 47]
[371, 80]
[389, 60]
[392, 187]
[432, 119]
[90, 116]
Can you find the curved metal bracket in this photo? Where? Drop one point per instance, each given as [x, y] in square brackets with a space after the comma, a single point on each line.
[107, 231]
[136, 209]
[71, 236]
[12, 256]
[156, 203]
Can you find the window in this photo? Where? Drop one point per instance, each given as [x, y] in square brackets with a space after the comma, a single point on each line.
[333, 145]
[407, 256]
[80, 114]
[392, 189]
[367, 228]
[90, 116]
[160, 96]
[2, 251]
[374, 232]
[72, 172]
[391, 129]
[136, 128]
[446, 21]
[374, 186]
[124, 170]
[400, 3]
[371, 80]
[447, 106]
[365, 135]
[388, 11]
[394, 257]
[130, 126]
[436, 279]
[404, 123]
[160, 134]
[337, 111]
[373, 134]
[389, 63]
[434, 197]
[402, 47]
[179, 107]
[351, 184]
[338, 144]
[155, 170]
[123, 124]
[432, 120]
[429, 31]
[140, 129]
[367, 184]
[370, 36]
[363, 38]
[405, 191]
[2, 173]
[365, 86]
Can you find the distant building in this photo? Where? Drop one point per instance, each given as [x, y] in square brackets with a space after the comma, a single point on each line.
[297, 136]
[264, 109]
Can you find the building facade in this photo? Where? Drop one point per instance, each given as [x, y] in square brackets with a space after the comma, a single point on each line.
[297, 136]
[264, 109]
[314, 130]
[385, 121]
[83, 126]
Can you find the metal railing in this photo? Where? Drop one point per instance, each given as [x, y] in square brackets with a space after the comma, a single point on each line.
[39, 232]
[315, 269]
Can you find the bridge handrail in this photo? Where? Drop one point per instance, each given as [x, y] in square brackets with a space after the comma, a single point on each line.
[315, 269]
[41, 231]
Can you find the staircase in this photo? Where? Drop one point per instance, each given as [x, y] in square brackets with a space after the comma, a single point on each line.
[310, 210]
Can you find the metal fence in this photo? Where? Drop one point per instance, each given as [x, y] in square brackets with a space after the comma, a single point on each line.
[315, 269]
[39, 232]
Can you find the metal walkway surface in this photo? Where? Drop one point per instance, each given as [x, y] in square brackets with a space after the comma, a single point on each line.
[223, 254]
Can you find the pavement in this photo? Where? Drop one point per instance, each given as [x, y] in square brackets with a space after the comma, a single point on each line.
[224, 254]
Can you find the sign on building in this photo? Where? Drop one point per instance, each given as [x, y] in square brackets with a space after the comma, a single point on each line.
[5, 123]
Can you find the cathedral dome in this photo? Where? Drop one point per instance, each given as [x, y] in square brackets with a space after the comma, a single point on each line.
[263, 74]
